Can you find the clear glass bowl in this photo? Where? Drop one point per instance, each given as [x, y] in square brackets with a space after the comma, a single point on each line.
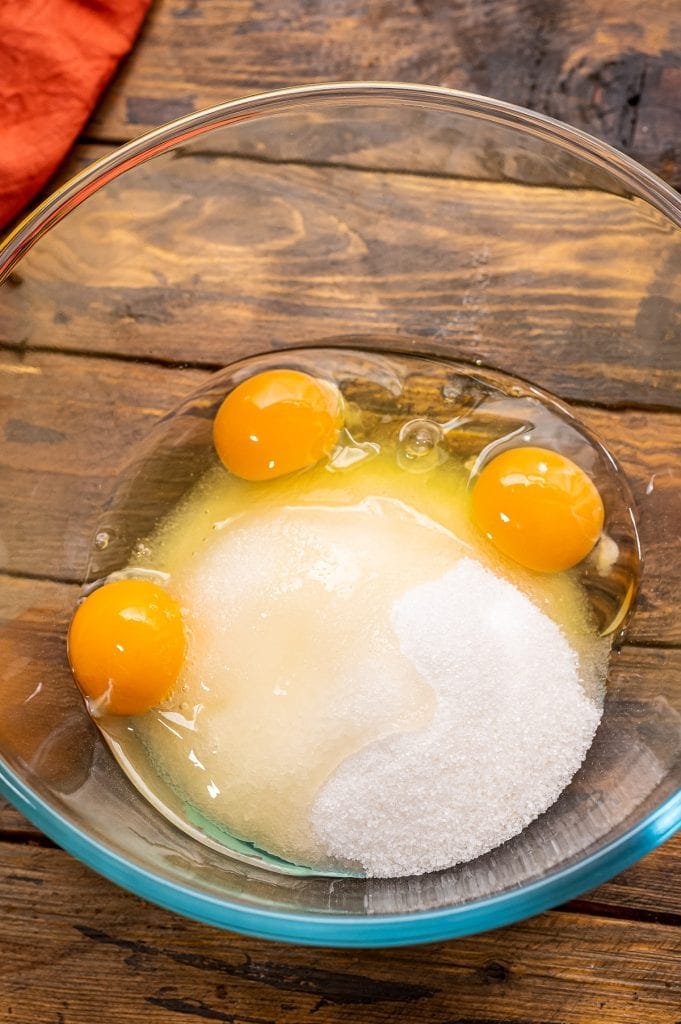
[430, 221]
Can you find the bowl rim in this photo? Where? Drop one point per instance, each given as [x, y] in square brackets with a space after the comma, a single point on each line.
[346, 930]
[340, 930]
[152, 143]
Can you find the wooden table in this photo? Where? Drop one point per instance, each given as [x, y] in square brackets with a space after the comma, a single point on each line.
[75, 949]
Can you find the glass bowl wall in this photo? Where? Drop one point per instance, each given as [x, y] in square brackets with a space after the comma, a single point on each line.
[425, 221]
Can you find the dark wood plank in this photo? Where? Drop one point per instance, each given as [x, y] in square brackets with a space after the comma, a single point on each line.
[142, 963]
[69, 426]
[649, 464]
[612, 68]
[14, 824]
[206, 259]
[650, 887]
[67, 430]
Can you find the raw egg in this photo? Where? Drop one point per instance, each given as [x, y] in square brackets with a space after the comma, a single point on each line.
[126, 646]
[277, 422]
[538, 507]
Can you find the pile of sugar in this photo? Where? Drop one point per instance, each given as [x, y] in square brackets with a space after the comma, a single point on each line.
[293, 663]
[360, 690]
[511, 727]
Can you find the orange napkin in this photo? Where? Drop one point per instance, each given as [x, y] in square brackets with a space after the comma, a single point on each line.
[56, 56]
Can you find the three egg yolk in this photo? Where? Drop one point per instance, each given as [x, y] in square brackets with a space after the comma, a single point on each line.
[126, 646]
[277, 422]
[538, 507]
[126, 642]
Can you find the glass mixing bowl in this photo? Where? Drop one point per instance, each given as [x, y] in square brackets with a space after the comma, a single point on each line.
[427, 221]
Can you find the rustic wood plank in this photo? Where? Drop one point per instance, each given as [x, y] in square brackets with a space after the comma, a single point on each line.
[651, 888]
[144, 963]
[611, 68]
[650, 470]
[69, 426]
[67, 430]
[14, 824]
[205, 259]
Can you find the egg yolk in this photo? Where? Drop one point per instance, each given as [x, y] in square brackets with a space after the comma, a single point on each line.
[277, 422]
[126, 644]
[538, 507]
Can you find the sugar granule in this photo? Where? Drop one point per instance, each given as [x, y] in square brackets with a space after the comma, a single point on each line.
[511, 726]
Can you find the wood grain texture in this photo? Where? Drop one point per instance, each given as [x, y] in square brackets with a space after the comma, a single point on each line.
[637, 893]
[205, 259]
[14, 825]
[67, 429]
[119, 956]
[68, 426]
[77, 950]
[612, 68]
[650, 890]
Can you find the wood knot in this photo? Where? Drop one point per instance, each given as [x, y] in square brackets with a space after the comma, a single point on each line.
[493, 972]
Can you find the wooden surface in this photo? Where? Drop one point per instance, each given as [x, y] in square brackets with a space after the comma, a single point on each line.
[75, 948]
[123, 960]
[612, 68]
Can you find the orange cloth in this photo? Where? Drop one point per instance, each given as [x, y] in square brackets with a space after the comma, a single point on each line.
[56, 56]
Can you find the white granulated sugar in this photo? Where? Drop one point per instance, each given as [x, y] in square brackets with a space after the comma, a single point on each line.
[511, 726]
[292, 661]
